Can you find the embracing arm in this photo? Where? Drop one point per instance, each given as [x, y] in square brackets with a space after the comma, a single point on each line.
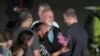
[63, 50]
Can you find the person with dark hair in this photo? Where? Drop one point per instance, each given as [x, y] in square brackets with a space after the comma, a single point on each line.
[14, 7]
[42, 29]
[5, 42]
[25, 23]
[41, 8]
[78, 37]
[25, 38]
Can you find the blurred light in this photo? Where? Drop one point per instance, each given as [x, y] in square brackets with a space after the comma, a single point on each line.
[92, 7]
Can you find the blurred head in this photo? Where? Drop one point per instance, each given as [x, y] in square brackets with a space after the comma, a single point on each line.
[25, 38]
[70, 16]
[41, 8]
[41, 28]
[25, 19]
[6, 37]
[48, 17]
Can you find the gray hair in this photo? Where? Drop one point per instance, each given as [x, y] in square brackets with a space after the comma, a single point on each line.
[23, 16]
[45, 5]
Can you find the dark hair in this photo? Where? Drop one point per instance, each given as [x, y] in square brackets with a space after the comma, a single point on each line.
[6, 35]
[38, 26]
[22, 40]
[45, 5]
[70, 12]
[23, 16]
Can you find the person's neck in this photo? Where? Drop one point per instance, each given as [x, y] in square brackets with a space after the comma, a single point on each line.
[3, 45]
[25, 26]
[73, 23]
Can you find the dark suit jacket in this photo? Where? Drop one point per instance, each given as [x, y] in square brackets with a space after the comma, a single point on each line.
[77, 41]
[55, 46]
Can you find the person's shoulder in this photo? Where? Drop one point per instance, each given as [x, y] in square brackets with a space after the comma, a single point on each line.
[20, 52]
[56, 29]
[17, 31]
[34, 22]
[55, 24]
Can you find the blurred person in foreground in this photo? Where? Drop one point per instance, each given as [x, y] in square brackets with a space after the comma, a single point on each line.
[25, 39]
[6, 39]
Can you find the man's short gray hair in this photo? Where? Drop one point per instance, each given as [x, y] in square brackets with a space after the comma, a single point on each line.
[45, 5]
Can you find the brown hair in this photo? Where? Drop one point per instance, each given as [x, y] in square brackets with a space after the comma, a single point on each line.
[38, 26]
[6, 35]
[70, 12]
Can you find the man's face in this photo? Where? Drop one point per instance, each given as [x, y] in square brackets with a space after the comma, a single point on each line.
[40, 10]
[67, 19]
[30, 19]
[48, 17]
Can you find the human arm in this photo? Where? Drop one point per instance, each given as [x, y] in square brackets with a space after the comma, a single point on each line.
[20, 52]
[63, 50]
[35, 45]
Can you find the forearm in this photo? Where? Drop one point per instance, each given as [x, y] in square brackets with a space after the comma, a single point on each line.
[57, 53]
[36, 53]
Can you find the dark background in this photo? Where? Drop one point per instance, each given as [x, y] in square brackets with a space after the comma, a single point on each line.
[58, 6]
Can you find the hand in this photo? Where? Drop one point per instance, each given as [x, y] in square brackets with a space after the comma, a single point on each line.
[18, 10]
[64, 49]
[24, 9]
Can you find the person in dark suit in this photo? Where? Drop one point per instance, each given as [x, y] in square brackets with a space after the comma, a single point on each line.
[14, 7]
[77, 35]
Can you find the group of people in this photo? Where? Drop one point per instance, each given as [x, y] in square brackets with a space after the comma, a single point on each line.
[44, 36]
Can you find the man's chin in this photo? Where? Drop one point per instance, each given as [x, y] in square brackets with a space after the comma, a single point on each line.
[50, 24]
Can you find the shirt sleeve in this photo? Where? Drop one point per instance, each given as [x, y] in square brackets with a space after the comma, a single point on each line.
[35, 45]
